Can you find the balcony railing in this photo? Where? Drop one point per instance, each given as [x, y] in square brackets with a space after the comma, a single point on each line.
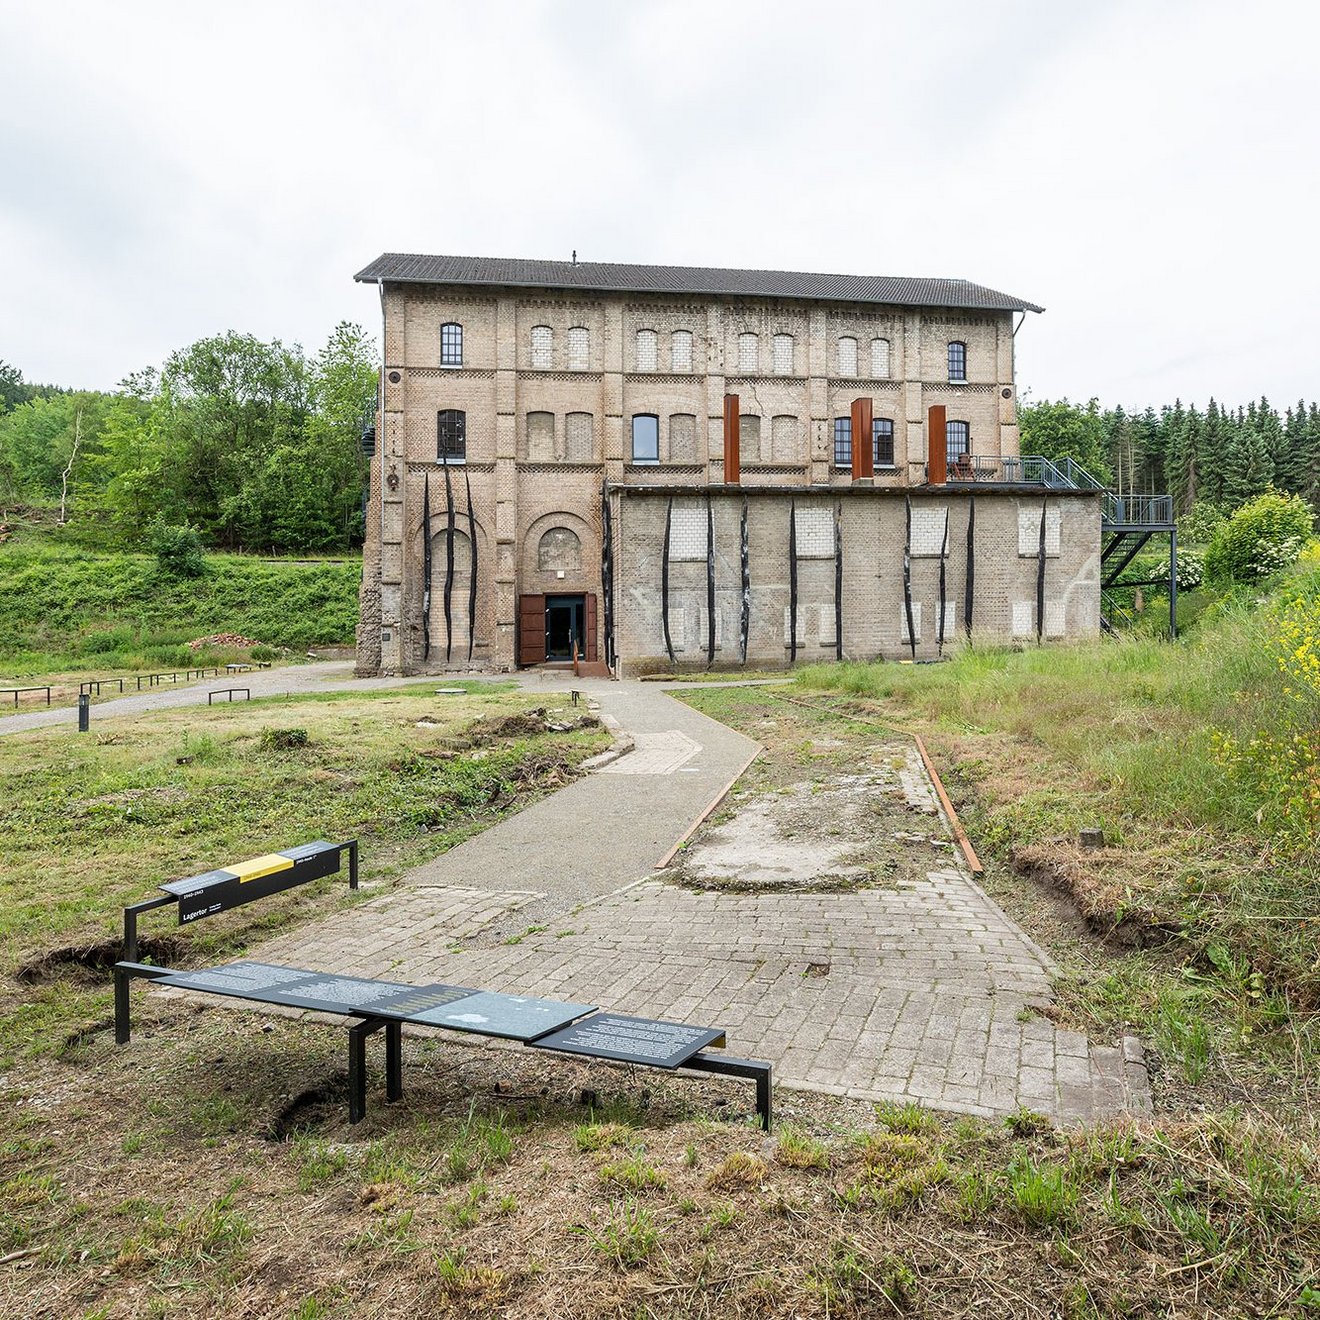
[1029, 470]
[1138, 510]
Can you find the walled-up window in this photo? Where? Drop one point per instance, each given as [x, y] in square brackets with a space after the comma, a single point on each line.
[957, 360]
[579, 348]
[559, 551]
[847, 356]
[683, 438]
[451, 442]
[879, 359]
[647, 351]
[783, 345]
[843, 442]
[540, 437]
[749, 438]
[882, 441]
[957, 442]
[451, 344]
[543, 347]
[749, 353]
[785, 439]
[645, 438]
[579, 440]
[680, 351]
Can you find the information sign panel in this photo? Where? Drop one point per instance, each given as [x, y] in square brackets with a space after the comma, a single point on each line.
[632, 1040]
[229, 886]
[513, 1017]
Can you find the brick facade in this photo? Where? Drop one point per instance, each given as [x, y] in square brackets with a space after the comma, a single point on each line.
[549, 382]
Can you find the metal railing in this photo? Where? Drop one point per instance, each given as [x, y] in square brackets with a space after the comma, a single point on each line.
[1137, 510]
[1028, 470]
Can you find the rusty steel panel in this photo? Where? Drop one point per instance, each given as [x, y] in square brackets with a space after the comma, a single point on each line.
[732, 441]
[937, 451]
[863, 453]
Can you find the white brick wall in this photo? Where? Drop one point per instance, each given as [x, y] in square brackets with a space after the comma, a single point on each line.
[687, 534]
[1029, 531]
[928, 529]
[815, 533]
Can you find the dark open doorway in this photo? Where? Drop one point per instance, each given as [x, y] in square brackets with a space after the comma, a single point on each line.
[564, 620]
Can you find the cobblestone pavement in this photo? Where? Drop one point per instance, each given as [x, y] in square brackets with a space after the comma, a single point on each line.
[923, 990]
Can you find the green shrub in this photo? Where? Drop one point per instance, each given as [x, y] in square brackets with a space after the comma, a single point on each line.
[1263, 536]
[178, 550]
[1200, 523]
[264, 653]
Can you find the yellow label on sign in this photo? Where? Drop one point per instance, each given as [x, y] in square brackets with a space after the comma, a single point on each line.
[260, 866]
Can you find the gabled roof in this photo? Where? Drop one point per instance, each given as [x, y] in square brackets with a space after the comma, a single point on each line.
[609, 277]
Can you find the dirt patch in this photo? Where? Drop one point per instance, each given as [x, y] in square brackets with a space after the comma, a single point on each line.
[314, 1107]
[96, 957]
[522, 724]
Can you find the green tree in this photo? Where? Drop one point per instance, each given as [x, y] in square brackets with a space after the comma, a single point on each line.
[1264, 535]
[1062, 429]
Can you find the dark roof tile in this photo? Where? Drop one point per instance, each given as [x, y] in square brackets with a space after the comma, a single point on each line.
[609, 277]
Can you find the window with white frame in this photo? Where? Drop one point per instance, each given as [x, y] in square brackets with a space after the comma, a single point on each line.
[647, 351]
[680, 351]
[579, 348]
[879, 359]
[783, 355]
[451, 344]
[543, 347]
[749, 352]
[847, 356]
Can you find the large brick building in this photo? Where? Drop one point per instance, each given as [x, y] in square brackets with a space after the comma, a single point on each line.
[659, 465]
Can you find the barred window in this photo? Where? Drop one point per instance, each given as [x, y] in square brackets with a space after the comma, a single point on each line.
[879, 359]
[451, 344]
[645, 438]
[451, 443]
[680, 351]
[783, 355]
[579, 348]
[543, 347]
[749, 352]
[957, 440]
[646, 350]
[882, 441]
[957, 360]
[843, 442]
[847, 356]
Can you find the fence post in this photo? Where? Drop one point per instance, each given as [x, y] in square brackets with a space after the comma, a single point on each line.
[84, 712]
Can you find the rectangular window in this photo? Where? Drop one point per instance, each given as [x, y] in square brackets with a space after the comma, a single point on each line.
[579, 349]
[957, 441]
[451, 344]
[646, 438]
[680, 351]
[843, 442]
[957, 361]
[451, 426]
[882, 442]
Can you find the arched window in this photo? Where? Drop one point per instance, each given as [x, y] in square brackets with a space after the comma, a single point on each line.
[680, 351]
[879, 359]
[843, 442]
[783, 346]
[957, 360]
[540, 437]
[579, 348]
[451, 432]
[882, 441]
[645, 438]
[647, 351]
[451, 344]
[543, 347]
[749, 352]
[957, 441]
[559, 550]
[847, 356]
[749, 438]
[580, 445]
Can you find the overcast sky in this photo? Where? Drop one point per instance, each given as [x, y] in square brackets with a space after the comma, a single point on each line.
[1149, 172]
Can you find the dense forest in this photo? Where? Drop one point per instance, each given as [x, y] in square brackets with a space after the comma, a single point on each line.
[1217, 456]
[256, 445]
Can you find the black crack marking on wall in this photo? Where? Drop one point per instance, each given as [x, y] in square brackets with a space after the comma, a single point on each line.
[838, 580]
[792, 581]
[472, 586]
[745, 621]
[1040, 575]
[969, 581]
[944, 555]
[710, 581]
[907, 573]
[664, 580]
[449, 565]
[426, 568]
[607, 573]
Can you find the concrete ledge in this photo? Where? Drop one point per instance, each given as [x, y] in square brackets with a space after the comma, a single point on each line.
[621, 746]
